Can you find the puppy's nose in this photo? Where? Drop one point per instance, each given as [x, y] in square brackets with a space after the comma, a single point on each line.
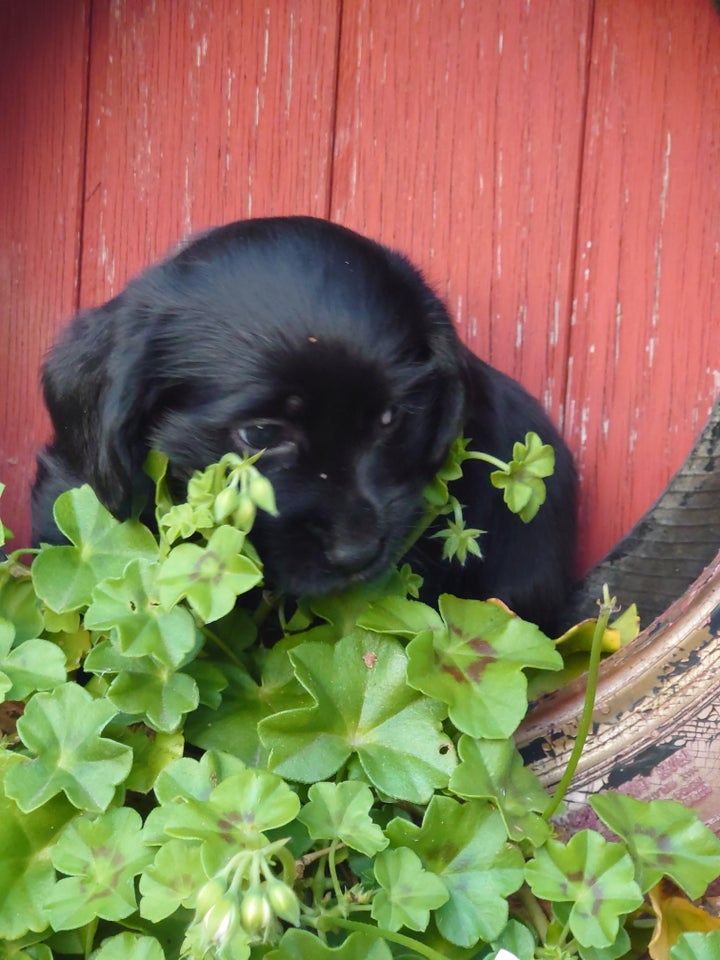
[354, 554]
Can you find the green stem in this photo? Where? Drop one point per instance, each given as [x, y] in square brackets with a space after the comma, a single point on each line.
[607, 607]
[88, 936]
[534, 911]
[229, 653]
[487, 458]
[333, 872]
[328, 922]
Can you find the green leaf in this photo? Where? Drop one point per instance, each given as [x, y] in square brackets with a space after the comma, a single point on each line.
[233, 725]
[494, 770]
[210, 578]
[143, 687]
[407, 891]
[187, 778]
[664, 839]
[596, 876]
[152, 752]
[400, 617]
[363, 705]
[342, 810]
[21, 607]
[301, 945]
[101, 856]
[64, 577]
[26, 874]
[71, 757]
[474, 665]
[172, 880]
[129, 606]
[521, 480]
[129, 946]
[697, 946]
[518, 940]
[234, 815]
[466, 846]
[32, 665]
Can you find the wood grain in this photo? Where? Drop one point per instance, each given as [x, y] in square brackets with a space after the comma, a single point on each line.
[202, 112]
[459, 129]
[43, 75]
[645, 347]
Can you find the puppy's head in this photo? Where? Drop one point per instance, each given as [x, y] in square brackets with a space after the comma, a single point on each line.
[290, 335]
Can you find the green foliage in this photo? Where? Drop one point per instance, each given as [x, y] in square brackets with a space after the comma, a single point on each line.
[200, 771]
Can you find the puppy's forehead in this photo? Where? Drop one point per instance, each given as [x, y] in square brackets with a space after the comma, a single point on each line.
[301, 276]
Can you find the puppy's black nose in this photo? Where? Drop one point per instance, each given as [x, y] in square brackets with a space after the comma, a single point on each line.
[354, 555]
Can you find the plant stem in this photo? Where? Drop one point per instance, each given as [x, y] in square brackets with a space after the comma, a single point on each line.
[487, 458]
[229, 653]
[333, 872]
[534, 911]
[399, 938]
[607, 606]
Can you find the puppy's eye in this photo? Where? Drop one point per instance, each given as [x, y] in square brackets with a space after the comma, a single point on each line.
[262, 435]
[388, 417]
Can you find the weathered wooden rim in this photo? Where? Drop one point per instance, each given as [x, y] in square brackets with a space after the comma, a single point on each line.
[666, 676]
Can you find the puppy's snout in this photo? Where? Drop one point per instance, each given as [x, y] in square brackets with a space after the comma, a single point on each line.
[355, 555]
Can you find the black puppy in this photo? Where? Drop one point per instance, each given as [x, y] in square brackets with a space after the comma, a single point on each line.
[328, 351]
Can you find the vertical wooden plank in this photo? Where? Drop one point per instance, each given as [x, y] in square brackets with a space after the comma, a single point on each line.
[645, 348]
[202, 112]
[43, 73]
[459, 127]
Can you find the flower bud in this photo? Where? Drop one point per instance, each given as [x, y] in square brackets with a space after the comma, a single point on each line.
[209, 894]
[262, 494]
[283, 901]
[255, 911]
[225, 503]
[244, 515]
[220, 921]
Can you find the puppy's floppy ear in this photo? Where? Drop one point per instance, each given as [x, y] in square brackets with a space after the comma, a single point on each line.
[449, 400]
[96, 392]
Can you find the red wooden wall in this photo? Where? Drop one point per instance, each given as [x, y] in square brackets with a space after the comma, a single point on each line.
[553, 167]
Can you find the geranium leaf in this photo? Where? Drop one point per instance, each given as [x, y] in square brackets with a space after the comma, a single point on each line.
[31, 665]
[210, 578]
[152, 752]
[129, 606]
[144, 687]
[171, 881]
[664, 839]
[70, 757]
[466, 845]
[64, 577]
[363, 705]
[407, 891]
[301, 945]
[232, 726]
[474, 665]
[400, 617]
[342, 810]
[517, 941]
[233, 816]
[494, 770]
[697, 946]
[596, 876]
[21, 607]
[101, 857]
[26, 874]
[129, 946]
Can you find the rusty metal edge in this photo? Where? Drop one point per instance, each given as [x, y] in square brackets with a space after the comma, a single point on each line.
[666, 675]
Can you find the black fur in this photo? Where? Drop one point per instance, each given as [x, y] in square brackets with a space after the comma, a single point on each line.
[301, 335]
